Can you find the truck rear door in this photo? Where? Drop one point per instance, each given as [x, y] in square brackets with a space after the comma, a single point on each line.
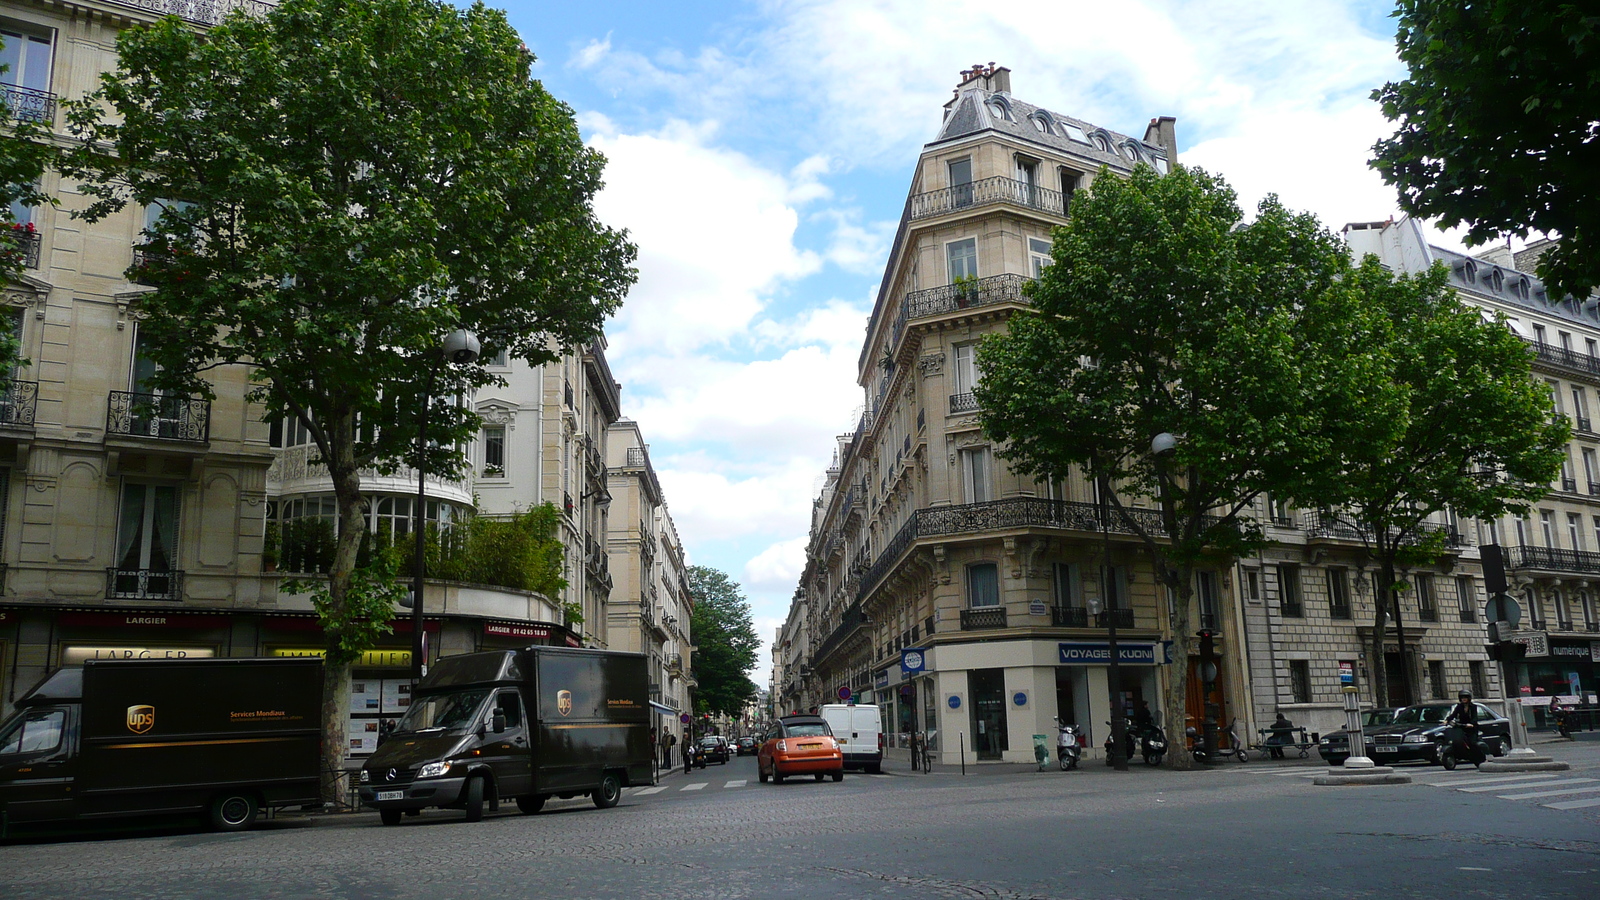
[37, 752]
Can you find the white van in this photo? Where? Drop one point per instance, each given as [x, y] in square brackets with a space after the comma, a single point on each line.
[859, 731]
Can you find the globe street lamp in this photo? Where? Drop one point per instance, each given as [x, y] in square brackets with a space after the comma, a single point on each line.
[461, 347]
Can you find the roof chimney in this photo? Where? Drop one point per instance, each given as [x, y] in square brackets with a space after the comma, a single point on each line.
[992, 78]
[1163, 132]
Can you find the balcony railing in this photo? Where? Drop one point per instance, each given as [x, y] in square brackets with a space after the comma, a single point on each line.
[983, 192]
[203, 12]
[1582, 362]
[1583, 424]
[1123, 617]
[1069, 617]
[849, 624]
[952, 297]
[1523, 556]
[1325, 526]
[1428, 614]
[161, 416]
[1469, 616]
[983, 617]
[1591, 626]
[144, 584]
[19, 402]
[636, 457]
[29, 103]
[998, 515]
[24, 247]
[966, 402]
[1570, 485]
[1293, 608]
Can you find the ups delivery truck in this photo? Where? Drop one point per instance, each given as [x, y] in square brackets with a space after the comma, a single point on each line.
[522, 725]
[145, 737]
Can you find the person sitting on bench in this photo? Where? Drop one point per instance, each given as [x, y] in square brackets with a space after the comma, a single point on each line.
[1282, 736]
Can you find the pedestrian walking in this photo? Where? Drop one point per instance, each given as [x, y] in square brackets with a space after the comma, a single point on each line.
[688, 754]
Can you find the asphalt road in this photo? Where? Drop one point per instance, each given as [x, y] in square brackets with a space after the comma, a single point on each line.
[1243, 831]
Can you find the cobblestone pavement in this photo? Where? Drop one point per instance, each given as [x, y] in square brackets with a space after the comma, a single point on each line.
[1236, 832]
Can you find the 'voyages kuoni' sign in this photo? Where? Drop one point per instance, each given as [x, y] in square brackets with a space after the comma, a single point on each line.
[1099, 654]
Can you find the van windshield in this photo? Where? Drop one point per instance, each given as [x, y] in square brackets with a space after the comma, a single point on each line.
[442, 712]
[35, 731]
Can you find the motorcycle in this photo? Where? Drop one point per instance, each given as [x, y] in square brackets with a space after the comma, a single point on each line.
[1454, 745]
[1153, 745]
[1563, 717]
[1128, 739]
[1067, 745]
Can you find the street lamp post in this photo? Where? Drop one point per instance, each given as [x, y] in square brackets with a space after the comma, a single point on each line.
[461, 347]
[1119, 725]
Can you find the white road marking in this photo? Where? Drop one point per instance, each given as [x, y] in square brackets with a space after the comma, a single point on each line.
[1530, 796]
[739, 783]
[1489, 788]
[1572, 804]
[650, 790]
[1492, 779]
[692, 787]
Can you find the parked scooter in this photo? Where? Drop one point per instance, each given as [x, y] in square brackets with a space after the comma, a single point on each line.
[1153, 745]
[1128, 742]
[1068, 747]
[1563, 717]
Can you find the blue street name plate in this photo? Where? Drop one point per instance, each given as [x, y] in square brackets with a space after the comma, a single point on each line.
[1099, 654]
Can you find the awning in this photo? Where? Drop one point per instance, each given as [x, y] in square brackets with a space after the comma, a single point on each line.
[664, 710]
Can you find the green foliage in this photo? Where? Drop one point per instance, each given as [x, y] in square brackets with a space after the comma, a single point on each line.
[307, 546]
[26, 152]
[353, 626]
[271, 545]
[521, 552]
[1496, 125]
[725, 641]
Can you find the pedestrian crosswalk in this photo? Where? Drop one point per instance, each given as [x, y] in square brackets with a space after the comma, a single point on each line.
[674, 787]
[1536, 786]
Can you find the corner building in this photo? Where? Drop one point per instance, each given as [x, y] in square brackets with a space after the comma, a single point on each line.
[922, 538]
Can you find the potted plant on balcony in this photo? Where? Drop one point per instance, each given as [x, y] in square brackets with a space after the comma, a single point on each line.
[966, 290]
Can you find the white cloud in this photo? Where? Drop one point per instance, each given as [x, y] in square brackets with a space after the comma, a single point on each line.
[592, 53]
[708, 505]
[778, 567]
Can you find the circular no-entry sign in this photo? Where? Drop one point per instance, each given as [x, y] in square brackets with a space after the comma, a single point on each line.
[684, 718]
[844, 693]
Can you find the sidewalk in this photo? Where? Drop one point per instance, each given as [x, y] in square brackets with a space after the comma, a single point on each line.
[898, 763]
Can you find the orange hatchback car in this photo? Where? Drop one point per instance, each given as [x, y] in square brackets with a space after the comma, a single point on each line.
[800, 745]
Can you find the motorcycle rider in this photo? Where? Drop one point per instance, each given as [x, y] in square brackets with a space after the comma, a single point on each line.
[1464, 715]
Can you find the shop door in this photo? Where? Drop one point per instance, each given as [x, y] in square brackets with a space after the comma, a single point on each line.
[988, 712]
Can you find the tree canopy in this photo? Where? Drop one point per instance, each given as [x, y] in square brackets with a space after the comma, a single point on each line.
[1164, 311]
[339, 184]
[26, 153]
[1496, 125]
[1456, 423]
[725, 641]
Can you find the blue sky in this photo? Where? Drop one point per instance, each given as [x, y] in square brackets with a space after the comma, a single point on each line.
[760, 154]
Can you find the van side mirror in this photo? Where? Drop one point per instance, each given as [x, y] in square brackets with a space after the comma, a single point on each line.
[498, 721]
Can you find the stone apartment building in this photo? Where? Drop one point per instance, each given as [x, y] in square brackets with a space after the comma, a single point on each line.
[133, 524]
[650, 607]
[922, 538]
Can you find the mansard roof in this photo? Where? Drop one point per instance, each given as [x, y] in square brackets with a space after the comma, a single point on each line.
[976, 110]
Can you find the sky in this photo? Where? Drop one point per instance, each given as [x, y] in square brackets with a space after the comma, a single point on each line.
[759, 154]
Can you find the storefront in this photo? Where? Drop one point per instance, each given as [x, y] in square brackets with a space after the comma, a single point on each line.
[1562, 670]
[503, 635]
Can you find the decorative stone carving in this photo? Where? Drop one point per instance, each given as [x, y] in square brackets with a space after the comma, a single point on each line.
[932, 364]
[493, 413]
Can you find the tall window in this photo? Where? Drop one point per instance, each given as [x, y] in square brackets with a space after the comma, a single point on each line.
[1547, 527]
[1467, 599]
[1251, 585]
[983, 585]
[1575, 530]
[966, 368]
[1028, 175]
[1436, 679]
[1067, 593]
[1591, 470]
[963, 258]
[1070, 180]
[1563, 610]
[1206, 588]
[1039, 256]
[1480, 685]
[1289, 589]
[147, 533]
[1339, 593]
[27, 61]
[961, 182]
[1427, 604]
[1580, 408]
[494, 451]
[1300, 680]
[976, 474]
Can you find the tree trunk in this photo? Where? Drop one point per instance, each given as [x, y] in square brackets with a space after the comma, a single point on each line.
[346, 479]
[1382, 588]
[1177, 699]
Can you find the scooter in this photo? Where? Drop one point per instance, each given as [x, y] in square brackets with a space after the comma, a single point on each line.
[1454, 745]
[1563, 717]
[1067, 745]
[1153, 745]
[1128, 742]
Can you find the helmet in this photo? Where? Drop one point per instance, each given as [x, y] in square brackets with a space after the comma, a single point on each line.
[1464, 695]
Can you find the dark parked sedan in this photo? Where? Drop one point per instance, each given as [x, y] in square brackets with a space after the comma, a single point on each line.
[1410, 737]
[747, 746]
[714, 750]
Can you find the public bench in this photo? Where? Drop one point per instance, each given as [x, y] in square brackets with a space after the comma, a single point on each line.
[1293, 739]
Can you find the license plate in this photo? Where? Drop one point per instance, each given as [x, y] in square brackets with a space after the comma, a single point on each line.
[1387, 749]
[391, 795]
[809, 746]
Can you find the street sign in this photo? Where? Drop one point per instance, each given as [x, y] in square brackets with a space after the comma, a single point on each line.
[1347, 676]
[912, 660]
[1536, 642]
[844, 693]
[684, 718]
[1502, 608]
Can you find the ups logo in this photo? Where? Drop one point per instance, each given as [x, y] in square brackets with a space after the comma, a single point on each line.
[141, 718]
[564, 702]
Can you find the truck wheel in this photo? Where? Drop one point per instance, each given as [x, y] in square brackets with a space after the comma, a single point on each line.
[609, 791]
[474, 799]
[233, 812]
[390, 816]
[531, 804]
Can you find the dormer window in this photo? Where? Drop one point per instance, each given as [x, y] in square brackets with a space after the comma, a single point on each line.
[1497, 280]
[1468, 271]
[1039, 124]
[1521, 288]
[1000, 108]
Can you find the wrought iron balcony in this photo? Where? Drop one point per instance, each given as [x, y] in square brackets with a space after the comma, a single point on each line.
[1123, 617]
[965, 402]
[163, 417]
[983, 617]
[1591, 626]
[19, 402]
[952, 297]
[637, 457]
[1339, 611]
[29, 104]
[203, 12]
[1428, 614]
[1554, 559]
[1583, 424]
[1567, 359]
[1208, 621]
[144, 584]
[1469, 616]
[25, 244]
[1319, 525]
[1570, 485]
[983, 192]
[1069, 617]
[1293, 608]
